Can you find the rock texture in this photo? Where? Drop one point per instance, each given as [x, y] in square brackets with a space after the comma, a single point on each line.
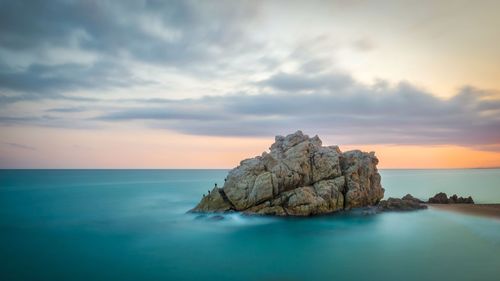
[214, 202]
[298, 177]
[407, 203]
[411, 198]
[460, 200]
[442, 198]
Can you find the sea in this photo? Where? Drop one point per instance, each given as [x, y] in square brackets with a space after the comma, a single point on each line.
[134, 225]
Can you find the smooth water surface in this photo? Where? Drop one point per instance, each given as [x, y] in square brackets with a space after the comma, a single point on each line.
[132, 225]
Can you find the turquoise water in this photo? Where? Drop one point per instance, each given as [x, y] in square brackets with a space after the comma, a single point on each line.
[132, 225]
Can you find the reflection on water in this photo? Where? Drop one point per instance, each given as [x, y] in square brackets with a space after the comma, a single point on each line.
[132, 225]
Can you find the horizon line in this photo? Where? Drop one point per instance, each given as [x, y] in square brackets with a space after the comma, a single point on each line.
[104, 169]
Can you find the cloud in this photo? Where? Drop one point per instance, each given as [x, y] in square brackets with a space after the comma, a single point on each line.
[49, 48]
[67, 109]
[304, 82]
[363, 44]
[80, 51]
[19, 146]
[47, 121]
[350, 112]
[163, 31]
[161, 114]
[44, 80]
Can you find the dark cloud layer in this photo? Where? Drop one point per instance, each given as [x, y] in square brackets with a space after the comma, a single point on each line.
[43, 81]
[187, 35]
[111, 26]
[353, 113]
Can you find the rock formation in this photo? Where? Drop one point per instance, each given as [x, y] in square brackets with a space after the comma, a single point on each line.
[441, 198]
[298, 177]
[407, 203]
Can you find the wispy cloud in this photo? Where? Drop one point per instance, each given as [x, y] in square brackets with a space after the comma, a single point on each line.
[352, 112]
[18, 146]
[364, 44]
[67, 109]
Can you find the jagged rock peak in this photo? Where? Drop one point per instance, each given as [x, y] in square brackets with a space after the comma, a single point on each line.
[282, 143]
[298, 177]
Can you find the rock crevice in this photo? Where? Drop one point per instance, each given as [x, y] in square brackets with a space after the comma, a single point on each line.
[298, 177]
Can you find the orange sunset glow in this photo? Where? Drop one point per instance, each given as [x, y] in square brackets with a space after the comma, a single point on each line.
[154, 149]
[418, 84]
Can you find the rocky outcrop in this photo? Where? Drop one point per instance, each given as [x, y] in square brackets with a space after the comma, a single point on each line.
[214, 202]
[441, 198]
[460, 200]
[298, 177]
[407, 203]
[411, 198]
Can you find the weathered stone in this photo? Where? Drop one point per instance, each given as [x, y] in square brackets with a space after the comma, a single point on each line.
[325, 164]
[304, 201]
[407, 203]
[411, 198]
[454, 199]
[213, 202]
[440, 198]
[299, 177]
[463, 200]
[266, 209]
[240, 181]
[332, 192]
[262, 189]
[362, 179]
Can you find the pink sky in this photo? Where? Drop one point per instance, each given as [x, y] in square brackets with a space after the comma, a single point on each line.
[158, 149]
[199, 84]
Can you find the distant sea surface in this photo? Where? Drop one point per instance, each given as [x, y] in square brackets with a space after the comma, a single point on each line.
[132, 225]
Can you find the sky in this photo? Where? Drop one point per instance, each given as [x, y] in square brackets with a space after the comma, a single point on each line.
[205, 84]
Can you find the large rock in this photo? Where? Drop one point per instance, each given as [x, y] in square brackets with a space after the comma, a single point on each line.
[298, 177]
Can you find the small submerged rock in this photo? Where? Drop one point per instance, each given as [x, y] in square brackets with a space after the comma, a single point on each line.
[209, 217]
[216, 218]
